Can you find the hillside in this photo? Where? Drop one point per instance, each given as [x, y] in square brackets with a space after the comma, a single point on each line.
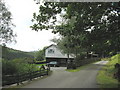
[9, 53]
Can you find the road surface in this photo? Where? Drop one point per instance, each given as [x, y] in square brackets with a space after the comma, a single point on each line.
[85, 78]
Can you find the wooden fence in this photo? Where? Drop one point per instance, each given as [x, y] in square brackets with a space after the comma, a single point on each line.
[19, 78]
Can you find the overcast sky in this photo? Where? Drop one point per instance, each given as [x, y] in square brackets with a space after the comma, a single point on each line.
[27, 39]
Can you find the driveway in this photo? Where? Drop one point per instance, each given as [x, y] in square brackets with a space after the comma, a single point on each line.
[85, 78]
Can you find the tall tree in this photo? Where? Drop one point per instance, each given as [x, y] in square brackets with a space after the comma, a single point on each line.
[6, 32]
[100, 18]
[40, 55]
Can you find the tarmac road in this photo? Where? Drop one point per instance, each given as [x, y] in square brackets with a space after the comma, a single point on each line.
[85, 78]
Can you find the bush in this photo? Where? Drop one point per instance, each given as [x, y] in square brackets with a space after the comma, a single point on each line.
[17, 66]
[8, 68]
[117, 65]
[24, 65]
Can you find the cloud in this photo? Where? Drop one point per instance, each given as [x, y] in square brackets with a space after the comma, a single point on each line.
[27, 39]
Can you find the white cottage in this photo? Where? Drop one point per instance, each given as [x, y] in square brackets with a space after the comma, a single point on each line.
[53, 53]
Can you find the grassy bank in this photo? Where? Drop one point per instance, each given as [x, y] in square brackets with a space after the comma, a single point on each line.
[105, 76]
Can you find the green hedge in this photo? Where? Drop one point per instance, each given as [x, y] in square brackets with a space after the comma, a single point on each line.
[86, 61]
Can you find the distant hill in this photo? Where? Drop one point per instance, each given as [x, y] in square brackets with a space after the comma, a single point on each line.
[9, 53]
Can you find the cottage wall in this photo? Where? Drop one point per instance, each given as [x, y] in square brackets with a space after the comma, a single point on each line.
[54, 52]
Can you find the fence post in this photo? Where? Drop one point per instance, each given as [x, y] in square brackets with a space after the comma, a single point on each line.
[18, 78]
[30, 75]
[40, 72]
[47, 71]
[48, 67]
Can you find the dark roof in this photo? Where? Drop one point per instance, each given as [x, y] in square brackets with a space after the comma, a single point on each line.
[50, 46]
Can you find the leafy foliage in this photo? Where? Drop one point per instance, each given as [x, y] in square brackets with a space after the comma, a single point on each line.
[93, 26]
[40, 55]
[6, 32]
[8, 68]
[17, 66]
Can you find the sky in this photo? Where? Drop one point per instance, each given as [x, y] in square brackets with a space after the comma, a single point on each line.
[27, 39]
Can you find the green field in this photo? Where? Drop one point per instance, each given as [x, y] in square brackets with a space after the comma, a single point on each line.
[105, 76]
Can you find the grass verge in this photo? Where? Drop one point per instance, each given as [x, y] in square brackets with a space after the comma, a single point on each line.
[105, 77]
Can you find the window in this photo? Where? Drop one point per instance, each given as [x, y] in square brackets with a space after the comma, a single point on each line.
[51, 51]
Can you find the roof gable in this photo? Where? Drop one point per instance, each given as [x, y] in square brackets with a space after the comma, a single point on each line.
[50, 46]
[57, 52]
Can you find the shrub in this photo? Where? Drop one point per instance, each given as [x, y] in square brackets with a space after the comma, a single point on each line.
[24, 65]
[8, 68]
[17, 66]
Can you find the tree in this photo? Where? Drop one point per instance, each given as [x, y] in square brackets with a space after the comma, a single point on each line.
[100, 18]
[105, 36]
[70, 47]
[6, 32]
[40, 55]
